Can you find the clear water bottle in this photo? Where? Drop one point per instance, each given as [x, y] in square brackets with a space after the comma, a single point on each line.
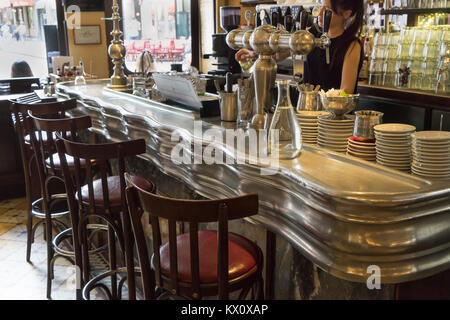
[285, 139]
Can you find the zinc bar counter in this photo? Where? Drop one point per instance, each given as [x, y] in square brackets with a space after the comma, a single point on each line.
[333, 216]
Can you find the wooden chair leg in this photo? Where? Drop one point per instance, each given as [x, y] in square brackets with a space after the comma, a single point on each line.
[112, 261]
[29, 234]
[48, 230]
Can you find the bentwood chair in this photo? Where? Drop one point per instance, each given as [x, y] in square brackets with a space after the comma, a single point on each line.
[50, 170]
[103, 199]
[202, 262]
[33, 192]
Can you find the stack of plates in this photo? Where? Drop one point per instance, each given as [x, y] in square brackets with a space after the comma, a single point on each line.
[393, 144]
[431, 154]
[334, 134]
[308, 121]
[361, 148]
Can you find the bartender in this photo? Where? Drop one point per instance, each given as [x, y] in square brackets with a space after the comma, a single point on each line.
[346, 51]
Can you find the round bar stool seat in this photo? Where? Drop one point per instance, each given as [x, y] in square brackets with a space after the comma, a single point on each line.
[114, 194]
[240, 260]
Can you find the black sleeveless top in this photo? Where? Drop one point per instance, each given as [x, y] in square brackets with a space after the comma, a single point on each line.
[318, 72]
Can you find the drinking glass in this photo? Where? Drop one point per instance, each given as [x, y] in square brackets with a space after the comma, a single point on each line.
[420, 35]
[139, 87]
[390, 65]
[403, 50]
[431, 51]
[429, 67]
[429, 82]
[416, 65]
[389, 79]
[407, 35]
[416, 50]
[391, 52]
[415, 81]
[200, 85]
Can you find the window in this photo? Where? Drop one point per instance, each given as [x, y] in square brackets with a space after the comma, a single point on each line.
[23, 26]
[161, 27]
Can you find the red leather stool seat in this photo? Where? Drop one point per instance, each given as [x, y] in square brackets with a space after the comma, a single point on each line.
[57, 162]
[240, 260]
[114, 190]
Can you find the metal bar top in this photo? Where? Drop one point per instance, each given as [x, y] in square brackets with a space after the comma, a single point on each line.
[342, 213]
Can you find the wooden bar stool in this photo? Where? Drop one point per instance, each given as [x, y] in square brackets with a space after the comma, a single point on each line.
[50, 169]
[199, 263]
[105, 199]
[34, 200]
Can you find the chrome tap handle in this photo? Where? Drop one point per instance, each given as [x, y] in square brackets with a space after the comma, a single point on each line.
[327, 15]
[304, 17]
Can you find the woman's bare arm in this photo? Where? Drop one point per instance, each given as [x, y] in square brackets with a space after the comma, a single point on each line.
[350, 68]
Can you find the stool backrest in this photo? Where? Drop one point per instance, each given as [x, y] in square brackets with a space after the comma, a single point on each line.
[24, 129]
[99, 155]
[193, 213]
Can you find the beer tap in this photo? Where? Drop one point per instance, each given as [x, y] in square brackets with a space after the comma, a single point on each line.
[326, 42]
[265, 41]
[288, 20]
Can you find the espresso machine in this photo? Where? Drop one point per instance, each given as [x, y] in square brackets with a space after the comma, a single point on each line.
[268, 40]
[230, 19]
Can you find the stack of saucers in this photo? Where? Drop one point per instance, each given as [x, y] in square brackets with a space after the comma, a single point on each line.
[362, 148]
[431, 154]
[393, 144]
[334, 134]
[308, 121]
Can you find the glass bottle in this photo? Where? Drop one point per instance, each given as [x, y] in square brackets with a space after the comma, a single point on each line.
[285, 140]
[79, 78]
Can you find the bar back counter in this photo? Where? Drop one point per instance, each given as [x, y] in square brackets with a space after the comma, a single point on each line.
[336, 218]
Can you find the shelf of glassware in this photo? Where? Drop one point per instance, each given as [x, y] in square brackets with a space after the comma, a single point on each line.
[400, 11]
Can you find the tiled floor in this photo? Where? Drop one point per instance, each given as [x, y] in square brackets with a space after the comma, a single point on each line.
[19, 279]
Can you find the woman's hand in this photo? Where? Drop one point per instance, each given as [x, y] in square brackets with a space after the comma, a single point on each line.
[244, 54]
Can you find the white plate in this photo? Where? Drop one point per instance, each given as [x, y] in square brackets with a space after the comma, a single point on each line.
[394, 128]
[395, 162]
[385, 150]
[359, 155]
[431, 161]
[430, 167]
[431, 154]
[337, 124]
[432, 136]
[431, 144]
[431, 150]
[311, 114]
[431, 176]
[388, 165]
[394, 139]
